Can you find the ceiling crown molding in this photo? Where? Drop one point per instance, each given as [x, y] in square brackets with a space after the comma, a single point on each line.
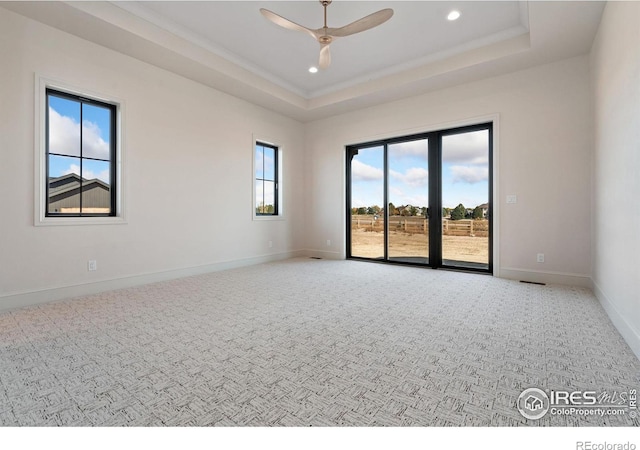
[138, 32]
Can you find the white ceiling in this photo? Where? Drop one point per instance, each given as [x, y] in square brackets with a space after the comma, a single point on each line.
[230, 46]
[418, 32]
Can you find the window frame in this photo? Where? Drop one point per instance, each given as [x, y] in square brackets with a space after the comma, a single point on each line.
[278, 198]
[82, 100]
[42, 217]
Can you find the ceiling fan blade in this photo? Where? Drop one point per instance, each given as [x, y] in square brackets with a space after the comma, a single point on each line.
[286, 23]
[325, 56]
[366, 23]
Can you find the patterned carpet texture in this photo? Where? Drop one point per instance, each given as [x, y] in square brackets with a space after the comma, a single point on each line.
[307, 342]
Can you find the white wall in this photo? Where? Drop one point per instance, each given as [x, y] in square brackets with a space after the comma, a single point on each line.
[188, 163]
[615, 68]
[544, 145]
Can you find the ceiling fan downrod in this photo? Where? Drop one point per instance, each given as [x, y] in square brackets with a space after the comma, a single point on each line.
[325, 39]
[325, 3]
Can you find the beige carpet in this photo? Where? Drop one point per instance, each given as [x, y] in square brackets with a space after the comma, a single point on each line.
[310, 342]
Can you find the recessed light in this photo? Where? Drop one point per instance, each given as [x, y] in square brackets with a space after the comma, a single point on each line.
[453, 15]
[313, 69]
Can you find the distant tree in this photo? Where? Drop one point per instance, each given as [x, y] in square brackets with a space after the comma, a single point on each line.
[424, 211]
[478, 213]
[413, 211]
[362, 210]
[459, 212]
[262, 209]
[375, 209]
[393, 211]
[446, 212]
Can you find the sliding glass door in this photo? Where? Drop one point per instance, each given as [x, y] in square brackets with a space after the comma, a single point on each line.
[367, 196]
[465, 199]
[408, 198]
[422, 199]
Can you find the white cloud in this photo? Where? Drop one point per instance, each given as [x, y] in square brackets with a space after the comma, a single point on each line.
[411, 148]
[417, 200]
[64, 134]
[396, 191]
[466, 148]
[414, 177]
[268, 166]
[399, 197]
[364, 172]
[268, 189]
[64, 137]
[88, 174]
[93, 146]
[410, 188]
[268, 161]
[73, 168]
[469, 174]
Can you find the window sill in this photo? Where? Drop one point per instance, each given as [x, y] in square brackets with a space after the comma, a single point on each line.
[267, 218]
[71, 221]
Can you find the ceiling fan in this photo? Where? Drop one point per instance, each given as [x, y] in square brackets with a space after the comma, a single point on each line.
[326, 35]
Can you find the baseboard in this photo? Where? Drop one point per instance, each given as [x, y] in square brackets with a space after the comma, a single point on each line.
[31, 298]
[538, 276]
[626, 329]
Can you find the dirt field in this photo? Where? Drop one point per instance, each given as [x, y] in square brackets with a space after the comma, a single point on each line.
[369, 244]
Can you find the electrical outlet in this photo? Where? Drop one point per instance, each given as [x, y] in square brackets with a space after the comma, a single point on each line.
[512, 199]
[540, 257]
[92, 265]
[328, 242]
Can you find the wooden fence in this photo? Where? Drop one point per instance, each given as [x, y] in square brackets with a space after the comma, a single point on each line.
[420, 225]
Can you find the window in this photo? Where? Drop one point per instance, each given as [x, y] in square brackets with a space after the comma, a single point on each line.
[266, 180]
[80, 156]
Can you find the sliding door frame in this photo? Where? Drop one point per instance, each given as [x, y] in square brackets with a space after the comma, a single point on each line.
[434, 191]
[460, 130]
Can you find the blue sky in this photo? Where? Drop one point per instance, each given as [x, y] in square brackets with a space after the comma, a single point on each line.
[465, 172]
[64, 139]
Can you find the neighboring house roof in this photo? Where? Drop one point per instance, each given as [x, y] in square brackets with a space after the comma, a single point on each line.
[70, 182]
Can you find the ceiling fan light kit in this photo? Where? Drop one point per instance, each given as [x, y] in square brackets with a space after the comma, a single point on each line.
[326, 35]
